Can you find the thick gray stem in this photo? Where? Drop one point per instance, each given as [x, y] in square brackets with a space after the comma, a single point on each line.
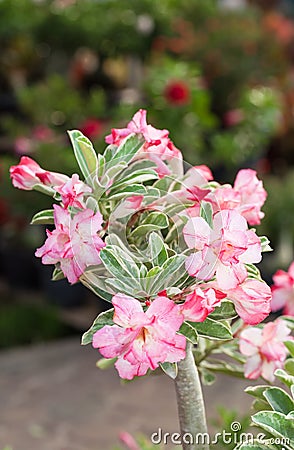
[190, 405]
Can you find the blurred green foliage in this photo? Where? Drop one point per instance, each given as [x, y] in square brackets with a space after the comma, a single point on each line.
[22, 324]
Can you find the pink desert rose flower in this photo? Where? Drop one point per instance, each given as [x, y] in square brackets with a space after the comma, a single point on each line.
[74, 243]
[199, 304]
[28, 173]
[141, 340]
[283, 291]
[264, 349]
[73, 192]
[253, 195]
[252, 299]
[224, 197]
[223, 250]
[157, 145]
[197, 176]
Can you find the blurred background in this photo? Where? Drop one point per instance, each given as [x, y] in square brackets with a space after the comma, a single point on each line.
[219, 74]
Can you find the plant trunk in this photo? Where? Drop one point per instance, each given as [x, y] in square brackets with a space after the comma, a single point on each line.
[191, 409]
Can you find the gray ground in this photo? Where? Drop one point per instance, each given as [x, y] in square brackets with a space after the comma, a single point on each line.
[54, 398]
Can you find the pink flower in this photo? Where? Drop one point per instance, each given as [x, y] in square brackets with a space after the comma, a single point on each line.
[223, 250]
[224, 197]
[28, 173]
[128, 440]
[253, 195]
[264, 349]
[283, 291]
[157, 142]
[197, 176]
[252, 300]
[199, 304]
[74, 243]
[73, 192]
[141, 340]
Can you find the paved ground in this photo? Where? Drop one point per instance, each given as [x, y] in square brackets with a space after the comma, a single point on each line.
[52, 397]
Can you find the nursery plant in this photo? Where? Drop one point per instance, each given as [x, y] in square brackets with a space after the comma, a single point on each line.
[174, 253]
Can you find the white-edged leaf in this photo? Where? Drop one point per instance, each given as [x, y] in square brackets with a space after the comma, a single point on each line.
[211, 329]
[85, 154]
[127, 150]
[157, 248]
[104, 318]
[170, 369]
[43, 217]
[279, 400]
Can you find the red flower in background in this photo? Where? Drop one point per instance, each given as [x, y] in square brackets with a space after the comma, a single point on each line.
[177, 92]
[92, 128]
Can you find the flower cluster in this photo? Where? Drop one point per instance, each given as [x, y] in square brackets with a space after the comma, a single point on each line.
[197, 275]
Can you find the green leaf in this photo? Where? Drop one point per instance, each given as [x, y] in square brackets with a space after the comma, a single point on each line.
[275, 423]
[44, 217]
[127, 150]
[101, 162]
[260, 405]
[279, 400]
[57, 274]
[110, 174]
[265, 244]
[189, 332]
[211, 329]
[207, 377]
[171, 369]
[206, 212]
[170, 273]
[289, 366]
[290, 347]
[124, 287]
[156, 218]
[144, 230]
[104, 318]
[219, 366]
[84, 153]
[104, 363]
[157, 248]
[94, 279]
[120, 265]
[44, 189]
[225, 311]
[139, 176]
[253, 271]
[134, 189]
[289, 321]
[257, 391]
[287, 379]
